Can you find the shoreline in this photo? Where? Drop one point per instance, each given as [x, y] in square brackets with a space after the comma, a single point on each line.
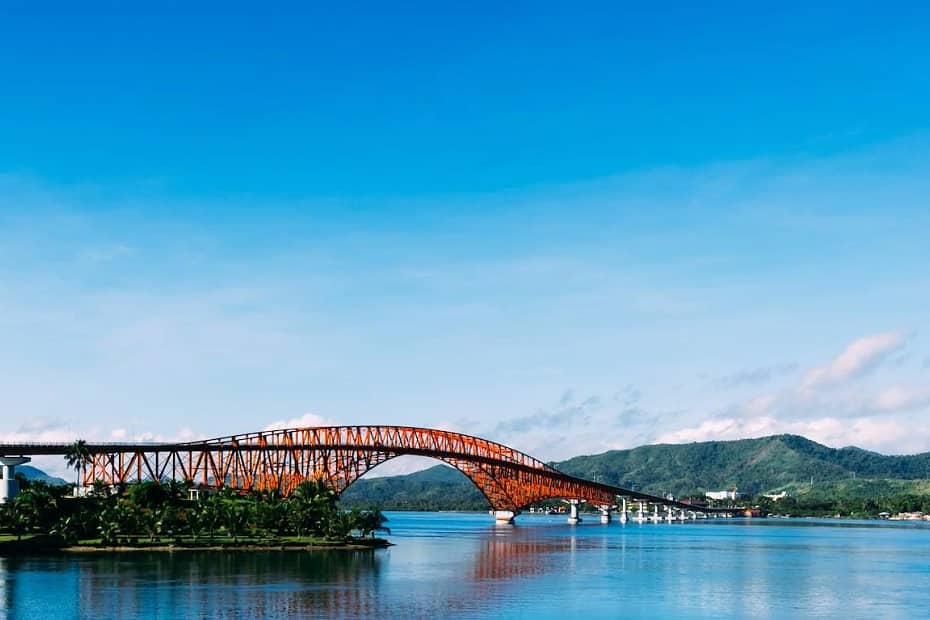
[41, 546]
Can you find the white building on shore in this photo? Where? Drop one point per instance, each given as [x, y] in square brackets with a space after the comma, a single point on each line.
[730, 493]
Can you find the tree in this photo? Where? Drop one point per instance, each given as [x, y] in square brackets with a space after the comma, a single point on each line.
[69, 528]
[21, 516]
[270, 513]
[236, 519]
[370, 521]
[78, 457]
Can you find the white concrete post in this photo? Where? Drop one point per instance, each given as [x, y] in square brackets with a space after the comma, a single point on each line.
[9, 486]
[573, 517]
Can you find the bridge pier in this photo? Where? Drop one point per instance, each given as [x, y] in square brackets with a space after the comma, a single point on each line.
[641, 514]
[504, 517]
[573, 517]
[605, 514]
[655, 513]
[9, 485]
[623, 515]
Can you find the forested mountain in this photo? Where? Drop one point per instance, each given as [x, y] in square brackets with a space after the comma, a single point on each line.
[753, 465]
[437, 488]
[34, 473]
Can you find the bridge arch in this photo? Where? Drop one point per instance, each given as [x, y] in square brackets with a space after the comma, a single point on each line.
[339, 455]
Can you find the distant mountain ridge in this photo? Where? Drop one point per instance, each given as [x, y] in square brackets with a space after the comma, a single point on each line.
[34, 473]
[438, 488]
[753, 465]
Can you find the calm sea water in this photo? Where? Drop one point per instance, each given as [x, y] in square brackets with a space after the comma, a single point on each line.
[464, 566]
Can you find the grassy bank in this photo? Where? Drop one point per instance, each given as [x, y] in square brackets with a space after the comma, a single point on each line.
[41, 543]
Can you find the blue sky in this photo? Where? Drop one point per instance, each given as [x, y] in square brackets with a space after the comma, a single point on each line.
[568, 229]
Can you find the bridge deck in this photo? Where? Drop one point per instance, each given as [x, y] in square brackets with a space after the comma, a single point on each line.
[509, 479]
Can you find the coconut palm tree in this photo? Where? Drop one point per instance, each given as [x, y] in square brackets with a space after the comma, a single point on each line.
[77, 457]
[370, 521]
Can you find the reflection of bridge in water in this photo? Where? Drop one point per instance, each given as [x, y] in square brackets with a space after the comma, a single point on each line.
[339, 455]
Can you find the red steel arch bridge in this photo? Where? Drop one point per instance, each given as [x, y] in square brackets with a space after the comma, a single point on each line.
[279, 460]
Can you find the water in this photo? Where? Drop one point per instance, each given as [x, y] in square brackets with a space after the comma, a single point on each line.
[463, 566]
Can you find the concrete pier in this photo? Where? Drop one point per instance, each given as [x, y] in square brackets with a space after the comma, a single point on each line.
[9, 485]
[641, 514]
[573, 517]
[504, 517]
[605, 514]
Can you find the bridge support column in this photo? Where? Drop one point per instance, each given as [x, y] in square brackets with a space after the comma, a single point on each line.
[623, 515]
[641, 514]
[573, 517]
[655, 513]
[605, 514]
[9, 485]
[504, 517]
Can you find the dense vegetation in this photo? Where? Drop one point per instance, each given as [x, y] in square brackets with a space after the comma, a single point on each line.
[151, 513]
[859, 497]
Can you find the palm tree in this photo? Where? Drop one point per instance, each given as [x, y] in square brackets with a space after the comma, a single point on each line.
[77, 457]
[370, 521]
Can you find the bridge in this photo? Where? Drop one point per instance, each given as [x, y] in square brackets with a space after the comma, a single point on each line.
[279, 460]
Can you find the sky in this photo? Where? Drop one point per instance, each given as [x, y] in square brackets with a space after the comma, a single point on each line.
[565, 228]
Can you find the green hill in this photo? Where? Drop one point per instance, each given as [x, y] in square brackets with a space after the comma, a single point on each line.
[438, 488]
[34, 473]
[778, 462]
[753, 465]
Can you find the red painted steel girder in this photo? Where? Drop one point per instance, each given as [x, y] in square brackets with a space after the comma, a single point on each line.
[279, 460]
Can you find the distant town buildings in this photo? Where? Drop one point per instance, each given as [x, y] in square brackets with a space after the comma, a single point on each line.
[730, 493]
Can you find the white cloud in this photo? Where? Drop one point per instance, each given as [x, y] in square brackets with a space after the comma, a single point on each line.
[889, 435]
[829, 405]
[858, 358]
[901, 398]
[49, 430]
[304, 421]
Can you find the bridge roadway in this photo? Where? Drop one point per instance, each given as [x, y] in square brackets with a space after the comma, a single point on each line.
[281, 459]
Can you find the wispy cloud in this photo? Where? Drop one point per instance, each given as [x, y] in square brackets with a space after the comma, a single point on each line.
[832, 403]
[756, 376]
[901, 398]
[568, 413]
[859, 358]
